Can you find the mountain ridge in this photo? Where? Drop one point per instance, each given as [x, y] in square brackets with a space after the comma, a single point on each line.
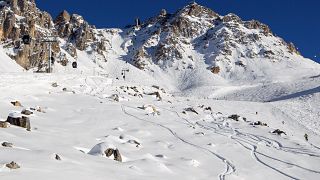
[193, 41]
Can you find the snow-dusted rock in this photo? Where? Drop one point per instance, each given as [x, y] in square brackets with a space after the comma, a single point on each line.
[13, 165]
[17, 119]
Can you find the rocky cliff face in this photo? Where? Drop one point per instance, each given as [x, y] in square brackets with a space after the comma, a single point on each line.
[75, 29]
[181, 40]
[171, 39]
[21, 17]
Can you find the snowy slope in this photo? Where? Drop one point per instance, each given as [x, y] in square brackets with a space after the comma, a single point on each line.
[172, 144]
[195, 60]
[7, 64]
[181, 49]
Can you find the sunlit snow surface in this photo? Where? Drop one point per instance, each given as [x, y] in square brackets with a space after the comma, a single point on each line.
[160, 139]
[173, 145]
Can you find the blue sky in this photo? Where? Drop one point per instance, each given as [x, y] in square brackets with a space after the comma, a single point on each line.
[297, 21]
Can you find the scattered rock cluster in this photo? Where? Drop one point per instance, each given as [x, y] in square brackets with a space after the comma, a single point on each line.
[21, 119]
[259, 123]
[132, 91]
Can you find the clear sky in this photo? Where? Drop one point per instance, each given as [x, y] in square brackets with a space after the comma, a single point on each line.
[297, 21]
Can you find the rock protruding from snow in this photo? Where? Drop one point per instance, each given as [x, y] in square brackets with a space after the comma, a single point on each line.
[278, 132]
[20, 18]
[104, 149]
[109, 152]
[16, 103]
[18, 120]
[7, 144]
[117, 155]
[13, 165]
[4, 124]
[115, 152]
[57, 157]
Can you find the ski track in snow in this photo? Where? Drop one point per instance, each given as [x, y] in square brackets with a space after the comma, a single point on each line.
[253, 140]
[230, 168]
[255, 144]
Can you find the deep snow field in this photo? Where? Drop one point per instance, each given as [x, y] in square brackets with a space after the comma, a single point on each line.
[196, 103]
[81, 122]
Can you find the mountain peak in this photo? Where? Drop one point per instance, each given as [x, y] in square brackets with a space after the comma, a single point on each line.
[63, 17]
[192, 35]
[196, 10]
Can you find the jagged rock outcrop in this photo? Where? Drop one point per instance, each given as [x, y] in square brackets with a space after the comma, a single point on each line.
[21, 17]
[71, 49]
[181, 41]
[61, 23]
[231, 18]
[74, 29]
[292, 48]
[168, 40]
[253, 24]
[183, 25]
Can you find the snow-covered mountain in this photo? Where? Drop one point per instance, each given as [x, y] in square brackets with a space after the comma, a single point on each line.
[188, 95]
[191, 47]
[196, 46]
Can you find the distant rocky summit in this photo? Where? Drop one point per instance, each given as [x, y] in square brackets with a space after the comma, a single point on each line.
[194, 34]
[22, 17]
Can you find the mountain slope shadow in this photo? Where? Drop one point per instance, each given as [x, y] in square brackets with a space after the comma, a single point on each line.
[298, 94]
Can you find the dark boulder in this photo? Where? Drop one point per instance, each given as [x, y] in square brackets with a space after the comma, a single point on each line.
[109, 152]
[57, 157]
[23, 121]
[190, 109]
[278, 132]
[7, 144]
[234, 117]
[117, 155]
